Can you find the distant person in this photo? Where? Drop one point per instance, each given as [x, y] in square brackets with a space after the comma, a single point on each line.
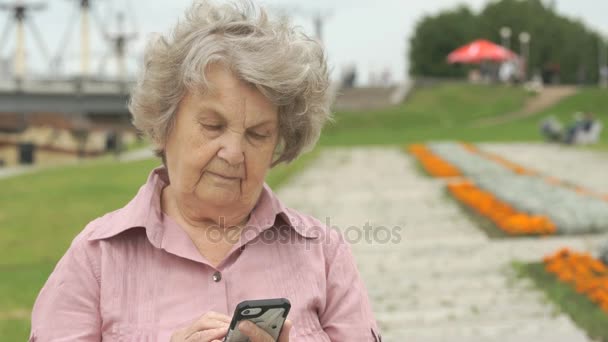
[590, 131]
[552, 129]
[350, 77]
[584, 130]
[551, 73]
[506, 72]
[572, 130]
[474, 76]
[228, 95]
[587, 121]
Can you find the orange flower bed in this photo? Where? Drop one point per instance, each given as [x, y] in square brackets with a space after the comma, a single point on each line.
[586, 274]
[523, 171]
[500, 213]
[434, 165]
[498, 159]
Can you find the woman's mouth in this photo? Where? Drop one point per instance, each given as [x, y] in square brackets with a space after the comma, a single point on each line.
[224, 177]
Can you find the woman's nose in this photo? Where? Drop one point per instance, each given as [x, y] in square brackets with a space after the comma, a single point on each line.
[231, 149]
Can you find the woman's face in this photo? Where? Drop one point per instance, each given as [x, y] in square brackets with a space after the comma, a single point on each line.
[222, 144]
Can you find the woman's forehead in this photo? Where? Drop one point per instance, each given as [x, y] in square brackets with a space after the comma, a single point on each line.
[229, 96]
[233, 107]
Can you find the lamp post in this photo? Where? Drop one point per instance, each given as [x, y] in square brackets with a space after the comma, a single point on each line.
[602, 62]
[505, 34]
[524, 41]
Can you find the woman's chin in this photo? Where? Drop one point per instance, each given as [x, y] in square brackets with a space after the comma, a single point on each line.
[220, 196]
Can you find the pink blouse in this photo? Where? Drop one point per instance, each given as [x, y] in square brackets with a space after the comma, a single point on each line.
[135, 275]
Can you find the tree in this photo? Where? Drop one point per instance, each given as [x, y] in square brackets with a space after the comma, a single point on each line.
[436, 36]
[556, 40]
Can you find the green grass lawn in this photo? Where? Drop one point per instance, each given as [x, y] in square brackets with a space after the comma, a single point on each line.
[446, 112]
[46, 210]
[587, 99]
[441, 112]
[581, 310]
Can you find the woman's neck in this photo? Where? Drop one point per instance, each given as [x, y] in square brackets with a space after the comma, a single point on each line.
[200, 220]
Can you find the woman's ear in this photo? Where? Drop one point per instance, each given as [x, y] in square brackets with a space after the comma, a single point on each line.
[161, 154]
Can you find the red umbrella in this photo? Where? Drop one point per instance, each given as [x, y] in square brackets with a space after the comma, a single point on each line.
[480, 50]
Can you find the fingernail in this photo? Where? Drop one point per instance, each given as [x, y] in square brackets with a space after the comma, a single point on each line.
[245, 326]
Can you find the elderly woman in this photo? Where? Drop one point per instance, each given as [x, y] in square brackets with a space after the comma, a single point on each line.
[229, 95]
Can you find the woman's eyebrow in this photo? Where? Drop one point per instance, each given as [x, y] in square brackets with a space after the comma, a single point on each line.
[262, 123]
[216, 111]
[205, 109]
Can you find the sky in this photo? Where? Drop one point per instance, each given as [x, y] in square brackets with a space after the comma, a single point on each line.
[372, 35]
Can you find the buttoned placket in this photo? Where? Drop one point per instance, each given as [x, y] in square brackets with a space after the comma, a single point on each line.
[219, 281]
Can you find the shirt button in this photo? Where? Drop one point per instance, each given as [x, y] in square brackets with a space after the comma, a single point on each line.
[217, 276]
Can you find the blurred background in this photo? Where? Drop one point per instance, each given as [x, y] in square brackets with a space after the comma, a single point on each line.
[418, 88]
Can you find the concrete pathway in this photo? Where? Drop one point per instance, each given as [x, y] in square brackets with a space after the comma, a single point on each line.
[135, 155]
[548, 97]
[587, 168]
[439, 278]
[6, 172]
[140, 154]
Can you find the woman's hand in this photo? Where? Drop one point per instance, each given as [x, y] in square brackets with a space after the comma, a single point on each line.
[211, 327]
[257, 334]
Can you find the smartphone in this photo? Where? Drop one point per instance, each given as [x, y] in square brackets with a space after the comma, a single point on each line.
[268, 314]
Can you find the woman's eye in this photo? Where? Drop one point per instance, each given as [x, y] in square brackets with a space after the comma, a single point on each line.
[257, 136]
[213, 127]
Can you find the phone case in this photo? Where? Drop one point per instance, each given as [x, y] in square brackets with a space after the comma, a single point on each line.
[271, 317]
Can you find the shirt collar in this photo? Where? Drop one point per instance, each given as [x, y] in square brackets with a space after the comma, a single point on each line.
[144, 211]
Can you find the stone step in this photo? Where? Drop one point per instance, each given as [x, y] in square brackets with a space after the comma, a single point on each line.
[471, 288]
[444, 279]
[432, 280]
[440, 269]
[557, 329]
[458, 251]
[553, 336]
[432, 317]
[480, 301]
[499, 285]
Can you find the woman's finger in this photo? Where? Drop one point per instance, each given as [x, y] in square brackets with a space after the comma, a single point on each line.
[284, 337]
[209, 320]
[255, 333]
[205, 325]
[218, 316]
[208, 335]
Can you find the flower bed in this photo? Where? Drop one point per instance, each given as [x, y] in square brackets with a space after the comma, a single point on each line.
[537, 204]
[519, 169]
[434, 165]
[588, 316]
[587, 275]
[522, 170]
[504, 216]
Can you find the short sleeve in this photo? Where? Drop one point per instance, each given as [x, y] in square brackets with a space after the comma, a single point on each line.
[347, 315]
[67, 307]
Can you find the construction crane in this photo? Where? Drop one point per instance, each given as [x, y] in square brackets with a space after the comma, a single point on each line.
[85, 48]
[85, 12]
[319, 17]
[118, 42]
[18, 13]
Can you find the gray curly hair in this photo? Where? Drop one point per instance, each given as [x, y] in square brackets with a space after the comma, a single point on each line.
[285, 65]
